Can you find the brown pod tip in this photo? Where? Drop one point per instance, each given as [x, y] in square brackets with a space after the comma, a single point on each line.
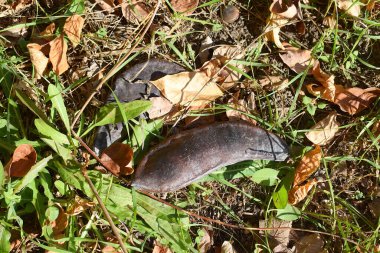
[190, 155]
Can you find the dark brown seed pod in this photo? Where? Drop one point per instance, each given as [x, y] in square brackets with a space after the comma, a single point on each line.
[230, 14]
[190, 155]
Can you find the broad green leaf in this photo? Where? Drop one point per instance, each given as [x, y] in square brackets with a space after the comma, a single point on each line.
[39, 201]
[32, 174]
[289, 213]
[58, 103]
[32, 106]
[50, 132]
[280, 197]
[76, 7]
[164, 220]
[5, 236]
[267, 177]
[61, 150]
[110, 113]
[1, 176]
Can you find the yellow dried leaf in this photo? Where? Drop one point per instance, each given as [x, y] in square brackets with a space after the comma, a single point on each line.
[308, 165]
[57, 55]
[49, 30]
[160, 107]
[299, 192]
[38, 59]
[188, 87]
[324, 130]
[73, 28]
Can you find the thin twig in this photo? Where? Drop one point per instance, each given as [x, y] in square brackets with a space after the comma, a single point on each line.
[116, 67]
[103, 207]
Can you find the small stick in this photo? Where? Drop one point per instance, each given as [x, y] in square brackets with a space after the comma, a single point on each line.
[102, 206]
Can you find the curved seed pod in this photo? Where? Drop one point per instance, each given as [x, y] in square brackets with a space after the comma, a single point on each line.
[192, 154]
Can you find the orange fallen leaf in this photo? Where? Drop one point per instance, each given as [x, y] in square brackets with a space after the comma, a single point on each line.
[109, 249]
[60, 223]
[38, 59]
[274, 82]
[188, 88]
[160, 107]
[134, 10]
[308, 165]
[79, 205]
[24, 157]
[184, 6]
[298, 59]
[299, 192]
[73, 28]
[324, 131]
[351, 7]
[49, 30]
[57, 55]
[158, 248]
[326, 80]
[117, 157]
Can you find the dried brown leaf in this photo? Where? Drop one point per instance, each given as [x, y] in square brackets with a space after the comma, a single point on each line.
[239, 111]
[273, 28]
[107, 5]
[73, 28]
[185, 6]
[160, 107]
[227, 248]
[59, 225]
[298, 59]
[158, 248]
[117, 158]
[135, 11]
[23, 158]
[325, 130]
[79, 205]
[274, 82]
[376, 129]
[285, 9]
[330, 21]
[109, 249]
[278, 238]
[16, 32]
[49, 30]
[38, 59]
[299, 192]
[188, 87]
[351, 7]
[310, 244]
[308, 165]
[57, 55]
[326, 80]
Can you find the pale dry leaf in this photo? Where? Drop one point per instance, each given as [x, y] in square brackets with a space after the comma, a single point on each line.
[308, 165]
[20, 5]
[57, 55]
[19, 30]
[228, 53]
[206, 242]
[273, 28]
[110, 249]
[188, 87]
[298, 59]
[60, 223]
[158, 248]
[73, 28]
[239, 111]
[107, 5]
[23, 158]
[325, 130]
[160, 107]
[376, 129]
[329, 21]
[277, 83]
[134, 11]
[184, 6]
[299, 192]
[49, 30]
[38, 59]
[227, 248]
[326, 80]
[117, 157]
[278, 238]
[350, 7]
[285, 9]
[310, 244]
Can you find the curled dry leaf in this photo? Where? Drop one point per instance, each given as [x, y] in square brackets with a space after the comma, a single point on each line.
[188, 88]
[326, 80]
[59, 225]
[325, 130]
[160, 107]
[350, 7]
[49, 31]
[330, 21]
[134, 10]
[206, 241]
[117, 157]
[299, 192]
[23, 158]
[308, 165]
[227, 248]
[297, 59]
[184, 6]
[278, 238]
[38, 59]
[79, 205]
[73, 28]
[57, 55]
[350, 100]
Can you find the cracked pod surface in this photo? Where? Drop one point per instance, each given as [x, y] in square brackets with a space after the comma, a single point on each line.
[189, 155]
